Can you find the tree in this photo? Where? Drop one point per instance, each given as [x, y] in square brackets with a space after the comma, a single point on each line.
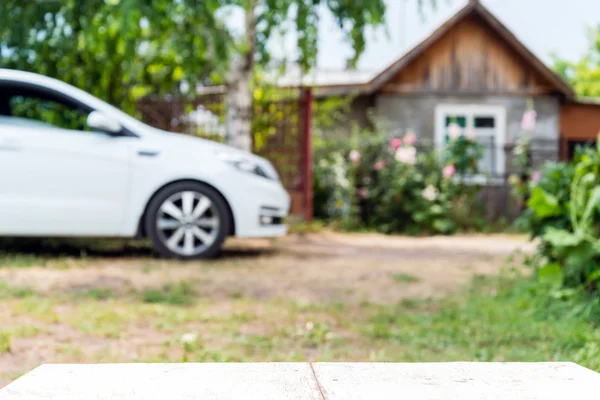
[263, 20]
[583, 75]
[118, 50]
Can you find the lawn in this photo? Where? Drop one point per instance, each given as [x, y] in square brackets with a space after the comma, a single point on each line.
[317, 297]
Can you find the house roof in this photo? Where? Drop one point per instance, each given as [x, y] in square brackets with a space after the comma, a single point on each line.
[347, 82]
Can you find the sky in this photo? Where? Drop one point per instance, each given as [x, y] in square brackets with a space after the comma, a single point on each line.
[544, 26]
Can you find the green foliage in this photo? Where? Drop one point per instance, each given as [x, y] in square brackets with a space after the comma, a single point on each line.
[583, 75]
[178, 294]
[499, 319]
[332, 190]
[547, 205]
[464, 154]
[543, 204]
[277, 17]
[405, 278]
[5, 342]
[8, 291]
[388, 185]
[97, 293]
[564, 210]
[117, 50]
[123, 50]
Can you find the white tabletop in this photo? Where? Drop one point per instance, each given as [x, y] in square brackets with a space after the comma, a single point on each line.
[432, 381]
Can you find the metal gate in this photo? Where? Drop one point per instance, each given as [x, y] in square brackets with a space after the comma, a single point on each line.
[281, 129]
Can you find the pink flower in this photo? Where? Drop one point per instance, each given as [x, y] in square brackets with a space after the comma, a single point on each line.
[355, 157]
[454, 131]
[379, 165]
[449, 171]
[362, 193]
[471, 134]
[529, 120]
[410, 138]
[536, 176]
[395, 143]
[407, 155]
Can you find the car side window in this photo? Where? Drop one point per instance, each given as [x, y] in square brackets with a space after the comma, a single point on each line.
[47, 111]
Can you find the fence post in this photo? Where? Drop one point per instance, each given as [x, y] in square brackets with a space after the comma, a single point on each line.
[308, 155]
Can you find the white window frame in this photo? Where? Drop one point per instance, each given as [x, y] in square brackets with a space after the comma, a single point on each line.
[470, 111]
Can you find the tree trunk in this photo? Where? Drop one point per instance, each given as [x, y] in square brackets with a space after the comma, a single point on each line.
[238, 99]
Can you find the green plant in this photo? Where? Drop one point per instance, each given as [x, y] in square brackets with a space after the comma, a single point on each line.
[5, 342]
[179, 294]
[332, 187]
[564, 211]
[8, 291]
[97, 293]
[548, 200]
[405, 278]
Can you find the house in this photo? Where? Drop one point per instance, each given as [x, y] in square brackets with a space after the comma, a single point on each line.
[474, 71]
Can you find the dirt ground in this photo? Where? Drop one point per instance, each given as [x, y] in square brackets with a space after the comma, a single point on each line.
[257, 289]
[311, 268]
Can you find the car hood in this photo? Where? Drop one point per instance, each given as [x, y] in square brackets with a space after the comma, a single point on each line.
[182, 143]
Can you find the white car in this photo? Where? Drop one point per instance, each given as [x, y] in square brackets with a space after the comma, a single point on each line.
[71, 165]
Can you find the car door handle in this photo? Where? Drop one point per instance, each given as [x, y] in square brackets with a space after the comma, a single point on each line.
[10, 145]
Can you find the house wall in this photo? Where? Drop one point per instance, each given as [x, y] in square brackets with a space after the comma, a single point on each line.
[580, 121]
[417, 113]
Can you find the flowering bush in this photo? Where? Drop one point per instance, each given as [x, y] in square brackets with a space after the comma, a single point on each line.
[390, 186]
[332, 188]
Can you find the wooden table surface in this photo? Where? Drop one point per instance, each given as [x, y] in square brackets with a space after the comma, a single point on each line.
[431, 381]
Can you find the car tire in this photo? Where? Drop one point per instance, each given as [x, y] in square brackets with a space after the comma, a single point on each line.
[187, 220]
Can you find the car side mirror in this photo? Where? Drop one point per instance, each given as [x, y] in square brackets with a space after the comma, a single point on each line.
[103, 123]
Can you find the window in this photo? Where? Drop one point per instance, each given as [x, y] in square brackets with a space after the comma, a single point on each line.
[30, 106]
[488, 123]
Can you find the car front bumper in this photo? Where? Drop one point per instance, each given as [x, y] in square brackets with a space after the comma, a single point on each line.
[260, 209]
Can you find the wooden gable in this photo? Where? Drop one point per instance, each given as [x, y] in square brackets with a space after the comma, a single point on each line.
[469, 58]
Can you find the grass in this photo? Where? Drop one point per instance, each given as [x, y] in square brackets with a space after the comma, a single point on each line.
[96, 293]
[5, 342]
[496, 319]
[8, 291]
[405, 278]
[18, 260]
[179, 294]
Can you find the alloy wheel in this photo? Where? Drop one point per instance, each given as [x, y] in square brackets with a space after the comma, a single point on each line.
[188, 223]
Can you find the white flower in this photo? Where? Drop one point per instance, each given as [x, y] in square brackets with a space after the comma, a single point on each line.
[189, 338]
[430, 193]
[309, 326]
[471, 134]
[407, 155]
[454, 131]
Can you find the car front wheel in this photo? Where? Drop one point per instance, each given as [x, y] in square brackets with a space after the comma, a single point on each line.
[188, 221]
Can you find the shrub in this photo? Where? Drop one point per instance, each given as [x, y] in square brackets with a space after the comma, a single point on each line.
[389, 185]
[563, 210]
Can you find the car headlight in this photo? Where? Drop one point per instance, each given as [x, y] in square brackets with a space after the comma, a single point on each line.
[246, 165]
